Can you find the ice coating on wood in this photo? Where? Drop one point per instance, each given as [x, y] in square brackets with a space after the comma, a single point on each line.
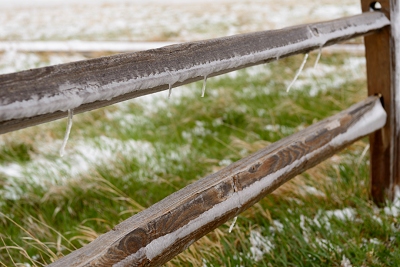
[368, 123]
[70, 94]
[371, 121]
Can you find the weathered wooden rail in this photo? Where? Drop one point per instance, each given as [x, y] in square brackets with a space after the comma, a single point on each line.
[44, 94]
[154, 236]
[157, 234]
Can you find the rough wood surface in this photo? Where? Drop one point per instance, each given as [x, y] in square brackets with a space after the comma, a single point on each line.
[39, 95]
[385, 143]
[154, 236]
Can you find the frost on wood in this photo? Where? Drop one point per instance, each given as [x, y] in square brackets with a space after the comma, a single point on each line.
[74, 85]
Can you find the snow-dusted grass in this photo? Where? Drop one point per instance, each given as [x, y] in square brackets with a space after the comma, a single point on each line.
[123, 158]
[158, 20]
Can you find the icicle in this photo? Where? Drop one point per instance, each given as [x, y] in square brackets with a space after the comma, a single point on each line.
[203, 90]
[67, 131]
[232, 225]
[318, 57]
[298, 72]
[169, 91]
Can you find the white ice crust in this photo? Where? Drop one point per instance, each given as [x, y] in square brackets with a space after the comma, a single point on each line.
[71, 95]
[371, 121]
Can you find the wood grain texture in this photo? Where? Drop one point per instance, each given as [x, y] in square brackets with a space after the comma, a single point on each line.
[39, 95]
[154, 236]
[385, 143]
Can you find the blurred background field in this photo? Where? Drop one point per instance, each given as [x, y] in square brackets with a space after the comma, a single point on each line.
[126, 157]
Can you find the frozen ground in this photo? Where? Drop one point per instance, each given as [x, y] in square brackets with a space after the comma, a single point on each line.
[157, 20]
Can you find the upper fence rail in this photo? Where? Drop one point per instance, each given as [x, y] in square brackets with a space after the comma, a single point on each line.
[40, 95]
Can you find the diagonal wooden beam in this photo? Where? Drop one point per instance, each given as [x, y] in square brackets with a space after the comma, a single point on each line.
[154, 236]
[39, 95]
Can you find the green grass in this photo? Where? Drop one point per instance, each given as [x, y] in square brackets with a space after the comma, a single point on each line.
[54, 205]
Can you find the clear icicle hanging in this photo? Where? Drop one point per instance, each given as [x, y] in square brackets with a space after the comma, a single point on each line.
[233, 224]
[318, 57]
[298, 72]
[203, 90]
[169, 90]
[67, 132]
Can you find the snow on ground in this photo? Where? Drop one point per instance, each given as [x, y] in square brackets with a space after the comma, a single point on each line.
[393, 209]
[82, 157]
[48, 168]
[260, 245]
[158, 20]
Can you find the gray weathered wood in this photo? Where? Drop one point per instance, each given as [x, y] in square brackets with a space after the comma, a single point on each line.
[35, 96]
[382, 79]
[152, 237]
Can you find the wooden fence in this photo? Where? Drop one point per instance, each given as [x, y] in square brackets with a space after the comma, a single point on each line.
[154, 236]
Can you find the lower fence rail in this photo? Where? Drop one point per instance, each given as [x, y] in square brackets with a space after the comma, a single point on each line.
[157, 234]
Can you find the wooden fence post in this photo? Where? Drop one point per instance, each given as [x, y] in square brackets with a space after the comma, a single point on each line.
[383, 79]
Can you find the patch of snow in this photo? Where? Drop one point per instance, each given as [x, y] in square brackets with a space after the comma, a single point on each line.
[323, 243]
[375, 241]
[200, 129]
[304, 228]
[345, 262]
[225, 162]
[393, 209]
[276, 226]
[326, 77]
[347, 214]
[280, 128]
[309, 190]
[377, 219]
[48, 169]
[260, 245]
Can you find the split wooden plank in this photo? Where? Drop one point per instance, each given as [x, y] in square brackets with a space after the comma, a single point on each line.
[154, 236]
[35, 96]
[383, 79]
